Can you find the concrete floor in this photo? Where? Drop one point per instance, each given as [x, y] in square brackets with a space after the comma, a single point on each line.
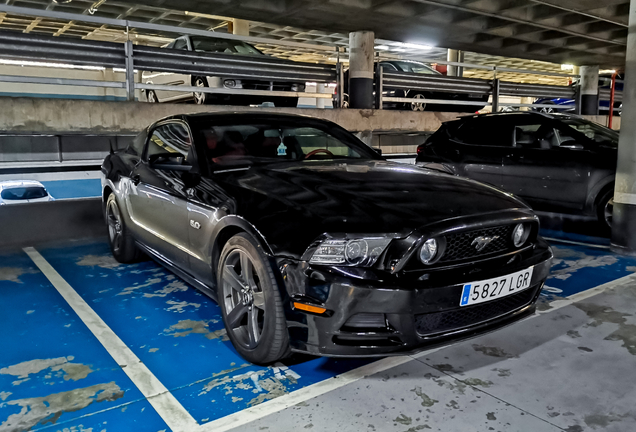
[569, 368]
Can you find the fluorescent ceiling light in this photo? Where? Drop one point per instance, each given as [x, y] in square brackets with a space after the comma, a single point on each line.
[52, 65]
[382, 47]
[567, 67]
[416, 46]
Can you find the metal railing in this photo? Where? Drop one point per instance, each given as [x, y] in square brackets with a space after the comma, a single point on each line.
[405, 83]
[131, 58]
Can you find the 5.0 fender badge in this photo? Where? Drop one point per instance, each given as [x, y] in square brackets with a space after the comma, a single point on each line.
[195, 224]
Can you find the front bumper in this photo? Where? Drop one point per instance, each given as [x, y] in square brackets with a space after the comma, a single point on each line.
[409, 314]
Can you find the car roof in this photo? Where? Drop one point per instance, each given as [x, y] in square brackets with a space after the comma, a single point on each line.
[11, 184]
[256, 116]
[553, 116]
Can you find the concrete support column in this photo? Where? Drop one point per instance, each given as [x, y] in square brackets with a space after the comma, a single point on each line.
[361, 69]
[624, 211]
[456, 56]
[240, 27]
[320, 102]
[589, 90]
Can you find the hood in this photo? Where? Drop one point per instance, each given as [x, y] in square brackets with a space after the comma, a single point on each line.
[293, 203]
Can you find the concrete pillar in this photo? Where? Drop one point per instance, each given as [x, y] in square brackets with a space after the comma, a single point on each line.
[320, 102]
[624, 214]
[458, 57]
[361, 69]
[240, 27]
[589, 90]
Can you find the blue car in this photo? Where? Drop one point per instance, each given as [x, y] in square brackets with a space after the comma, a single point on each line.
[564, 105]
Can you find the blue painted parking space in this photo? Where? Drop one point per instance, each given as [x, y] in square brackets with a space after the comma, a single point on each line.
[65, 189]
[178, 334]
[174, 330]
[54, 374]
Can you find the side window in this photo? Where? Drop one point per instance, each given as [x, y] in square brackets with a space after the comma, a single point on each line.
[181, 44]
[169, 138]
[536, 135]
[387, 67]
[485, 132]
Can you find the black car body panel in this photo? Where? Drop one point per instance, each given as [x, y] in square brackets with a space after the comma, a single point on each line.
[182, 217]
[537, 157]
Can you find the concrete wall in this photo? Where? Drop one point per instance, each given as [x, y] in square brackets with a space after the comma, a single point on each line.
[30, 224]
[31, 115]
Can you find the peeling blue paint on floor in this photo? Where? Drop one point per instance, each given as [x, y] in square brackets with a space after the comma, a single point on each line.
[177, 333]
[172, 327]
[52, 369]
[579, 268]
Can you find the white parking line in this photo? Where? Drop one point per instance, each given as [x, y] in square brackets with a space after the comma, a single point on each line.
[592, 245]
[166, 405]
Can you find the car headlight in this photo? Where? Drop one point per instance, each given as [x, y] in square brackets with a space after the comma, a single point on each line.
[428, 251]
[297, 87]
[354, 252]
[229, 83]
[520, 234]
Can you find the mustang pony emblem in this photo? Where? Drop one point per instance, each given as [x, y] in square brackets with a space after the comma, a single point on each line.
[482, 241]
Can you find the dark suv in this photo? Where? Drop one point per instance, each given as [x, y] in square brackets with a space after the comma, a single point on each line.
[554, 162]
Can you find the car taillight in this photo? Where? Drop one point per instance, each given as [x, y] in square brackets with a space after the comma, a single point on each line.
[420, 148]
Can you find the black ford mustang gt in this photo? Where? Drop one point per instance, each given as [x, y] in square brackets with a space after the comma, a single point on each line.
[312, 242]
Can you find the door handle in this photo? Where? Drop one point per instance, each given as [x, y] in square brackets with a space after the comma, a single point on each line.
[135, 179]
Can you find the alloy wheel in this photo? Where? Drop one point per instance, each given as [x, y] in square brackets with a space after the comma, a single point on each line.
[418, 106]
[243, 299]
[199, 97]
[115, 228]
[608, 210]
[547, 110]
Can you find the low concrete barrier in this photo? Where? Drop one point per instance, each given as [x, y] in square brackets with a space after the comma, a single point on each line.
[29, 224]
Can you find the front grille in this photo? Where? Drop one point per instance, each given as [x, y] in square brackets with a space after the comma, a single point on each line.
[265, 85]
[438, 322]
[460, 246]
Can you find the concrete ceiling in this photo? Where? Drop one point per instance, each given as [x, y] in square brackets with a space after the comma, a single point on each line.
[560, 31]
[119, 9]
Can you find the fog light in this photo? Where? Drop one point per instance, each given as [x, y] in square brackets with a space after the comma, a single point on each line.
[428, 251]
[520, 235]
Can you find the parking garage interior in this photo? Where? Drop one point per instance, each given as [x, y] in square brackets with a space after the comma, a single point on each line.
[449, 127]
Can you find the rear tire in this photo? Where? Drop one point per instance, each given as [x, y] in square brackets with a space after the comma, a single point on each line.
[199, 97]
[152, 96]
[122, 244]
[250, 302]
[605, 207]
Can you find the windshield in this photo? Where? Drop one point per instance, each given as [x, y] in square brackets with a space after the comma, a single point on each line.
[23, 193]
[413, 67]
[209, 44]
[593, 131]
[240, 144]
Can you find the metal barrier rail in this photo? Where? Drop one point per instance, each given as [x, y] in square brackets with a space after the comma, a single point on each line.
[130, 57]
[414, 82]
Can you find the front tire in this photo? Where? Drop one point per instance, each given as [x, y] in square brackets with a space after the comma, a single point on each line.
[418, 106]
[605, 208]
[250, 302]
[122, 244]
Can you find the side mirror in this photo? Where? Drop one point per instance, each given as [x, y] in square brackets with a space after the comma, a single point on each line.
[169, 161]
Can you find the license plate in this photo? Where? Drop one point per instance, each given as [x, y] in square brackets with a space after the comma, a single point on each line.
[492, 289]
